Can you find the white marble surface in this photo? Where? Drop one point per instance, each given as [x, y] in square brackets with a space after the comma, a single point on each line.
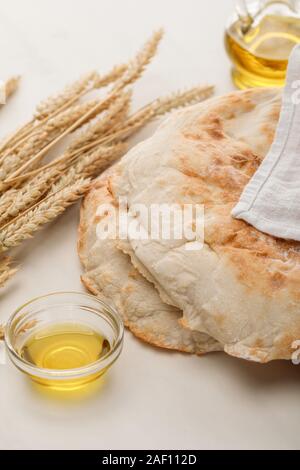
[151, 399]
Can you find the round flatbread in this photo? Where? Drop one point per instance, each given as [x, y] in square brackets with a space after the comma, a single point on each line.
[242, 287]
[110, 275]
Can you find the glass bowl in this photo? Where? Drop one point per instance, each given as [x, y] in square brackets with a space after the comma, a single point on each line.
[64, 308]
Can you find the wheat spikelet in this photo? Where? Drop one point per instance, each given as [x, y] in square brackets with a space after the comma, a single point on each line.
[64, 181]
[7, 199]
[57, 105]
[134, 71]
[181, 99]
[114, 115]
[17, 180]
[97, 81]
[47, 133]
[50, 108]
[131, 125]
[89, 165]
[6, 272]
[95, 162]
[129, 74]
[104, 80]
[55, 124]
[101, 106]
[12, 139]
[11, 86]
[25, 225]
[39, 193]
[54, 103]
[64, 119]
[125, 130]
[73, 92]
[160, 107]
[143, 116]
[8, 165]
[13, 202]
[12, 163]
[84, 141]
[32, 151]
[137, 66]
[27, 326]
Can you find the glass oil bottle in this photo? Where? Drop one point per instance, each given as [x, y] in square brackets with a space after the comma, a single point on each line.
[259, 40]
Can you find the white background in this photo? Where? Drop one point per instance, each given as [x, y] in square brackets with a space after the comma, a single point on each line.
[151, 399]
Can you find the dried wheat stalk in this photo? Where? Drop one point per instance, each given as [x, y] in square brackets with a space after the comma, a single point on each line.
[91, 164]
[71, 92]
[132, 73]
[11, 86]
[101, 81]
[15, 160]
[35, 194]
[137, 66]
[153, 110]
[115, 114]
[6, 270]
[54, 105]
[129, 126]
[42, 213]
[13, 201]
[98, 160]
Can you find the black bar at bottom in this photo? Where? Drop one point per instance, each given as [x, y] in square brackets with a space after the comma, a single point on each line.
[136, 459]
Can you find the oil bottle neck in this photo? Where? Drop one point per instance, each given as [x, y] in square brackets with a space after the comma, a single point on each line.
[249, 10]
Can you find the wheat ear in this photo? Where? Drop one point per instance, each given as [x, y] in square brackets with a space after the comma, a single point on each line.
[25, 225]
[50, 108]
[12, 162]
[6, 271]
[50, 105]
[137, 66]
[115, 114]
[151, 111]
[112, 76]
[91, 164]
[60, 104]
[13, 202]
[134, 71]
[131, 125]
[11, 86]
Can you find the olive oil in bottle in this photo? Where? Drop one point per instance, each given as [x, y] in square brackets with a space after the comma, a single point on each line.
[260, 53]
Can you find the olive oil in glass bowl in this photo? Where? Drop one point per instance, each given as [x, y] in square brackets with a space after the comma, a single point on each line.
[64, 340]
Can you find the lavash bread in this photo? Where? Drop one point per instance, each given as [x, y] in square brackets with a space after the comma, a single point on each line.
[110, 275]
[243, 287]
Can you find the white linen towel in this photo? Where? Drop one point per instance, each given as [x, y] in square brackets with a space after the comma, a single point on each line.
[271, 200]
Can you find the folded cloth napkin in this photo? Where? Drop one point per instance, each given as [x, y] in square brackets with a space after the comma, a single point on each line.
[271, 200]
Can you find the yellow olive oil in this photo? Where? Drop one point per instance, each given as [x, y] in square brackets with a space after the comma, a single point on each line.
[260, 54]
[64, 347]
